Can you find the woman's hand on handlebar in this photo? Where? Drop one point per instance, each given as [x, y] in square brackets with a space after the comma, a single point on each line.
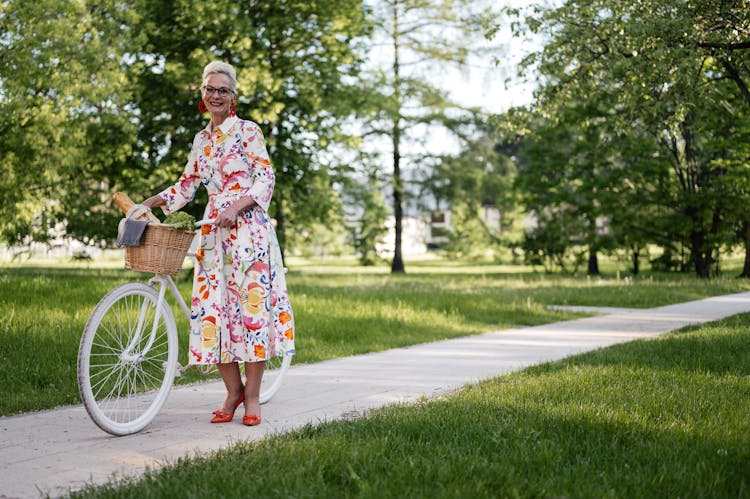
[227, 217]
[154, 201]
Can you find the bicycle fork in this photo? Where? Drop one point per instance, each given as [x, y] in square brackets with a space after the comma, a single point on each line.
[131, 354]
[165, 282]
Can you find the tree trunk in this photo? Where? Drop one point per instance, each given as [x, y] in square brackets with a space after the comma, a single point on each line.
[636, 263]
[397, 266]
[701, 248]
[746, 240]
[701, 257]
[593, 263]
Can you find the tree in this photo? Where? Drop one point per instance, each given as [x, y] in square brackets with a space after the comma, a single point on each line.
[651, 64]
[418, 35]
[296, 62]
[476, 181]
[370, 212]
[102, 97]
[65, 119]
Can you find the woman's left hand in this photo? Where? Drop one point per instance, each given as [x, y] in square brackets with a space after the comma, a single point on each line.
[230, 214]
[227, 217]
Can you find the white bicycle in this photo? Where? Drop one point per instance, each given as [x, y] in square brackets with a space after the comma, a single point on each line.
[127, 359]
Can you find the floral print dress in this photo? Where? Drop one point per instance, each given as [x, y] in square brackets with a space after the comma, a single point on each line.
[240, 309]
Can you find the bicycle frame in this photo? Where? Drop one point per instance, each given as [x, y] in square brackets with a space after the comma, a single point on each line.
[164, 282]
[127, 355]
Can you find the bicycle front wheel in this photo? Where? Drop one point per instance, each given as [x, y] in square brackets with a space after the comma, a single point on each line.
[127, 359]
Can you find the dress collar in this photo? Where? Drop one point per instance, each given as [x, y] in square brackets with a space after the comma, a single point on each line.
[228, 124]
[224, 127]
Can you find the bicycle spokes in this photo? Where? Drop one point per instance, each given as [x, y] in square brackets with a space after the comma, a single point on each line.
[127, 358]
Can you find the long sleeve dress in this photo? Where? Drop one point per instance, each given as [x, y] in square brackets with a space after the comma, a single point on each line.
[240, 309]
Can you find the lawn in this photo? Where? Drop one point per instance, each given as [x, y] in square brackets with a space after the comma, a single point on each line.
[655, 418]
[665, 417]
[340, 309]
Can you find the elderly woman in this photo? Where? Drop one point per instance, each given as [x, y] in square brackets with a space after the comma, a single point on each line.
[240, 306]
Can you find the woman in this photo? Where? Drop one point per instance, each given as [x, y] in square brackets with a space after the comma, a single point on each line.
[240, 306]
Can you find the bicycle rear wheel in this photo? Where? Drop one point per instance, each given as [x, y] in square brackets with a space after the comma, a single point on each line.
[273, 376]
[127, 359]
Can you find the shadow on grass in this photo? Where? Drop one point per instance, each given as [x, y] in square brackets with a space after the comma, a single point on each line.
[519, 436]
[649, 418]
[474, 449]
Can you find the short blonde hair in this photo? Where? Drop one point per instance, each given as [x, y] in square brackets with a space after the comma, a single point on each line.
[223, 68]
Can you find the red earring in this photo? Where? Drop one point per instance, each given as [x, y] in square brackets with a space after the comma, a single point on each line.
[202, 107]
[232, 110]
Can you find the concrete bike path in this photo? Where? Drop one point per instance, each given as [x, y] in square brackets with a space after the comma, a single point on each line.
[52, 452]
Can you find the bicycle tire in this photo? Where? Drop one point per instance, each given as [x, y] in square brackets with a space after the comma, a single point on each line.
[273, 376]
[123, 388]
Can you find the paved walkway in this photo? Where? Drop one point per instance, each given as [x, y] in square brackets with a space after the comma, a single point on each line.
[51, 452]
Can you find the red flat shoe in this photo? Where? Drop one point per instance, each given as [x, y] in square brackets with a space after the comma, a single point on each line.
[251, 420]
[225, 417]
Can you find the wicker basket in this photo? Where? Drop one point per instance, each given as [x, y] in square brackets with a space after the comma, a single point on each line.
[162, 250]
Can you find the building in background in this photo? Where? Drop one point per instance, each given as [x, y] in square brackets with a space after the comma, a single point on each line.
[430, 232]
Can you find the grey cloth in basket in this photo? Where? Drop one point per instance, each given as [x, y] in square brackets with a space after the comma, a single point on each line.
[130, 232]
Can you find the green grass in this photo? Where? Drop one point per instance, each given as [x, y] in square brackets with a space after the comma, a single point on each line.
[340, 309]
[665, 417]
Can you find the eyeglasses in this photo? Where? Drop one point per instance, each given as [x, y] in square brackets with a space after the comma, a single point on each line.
[223, 91]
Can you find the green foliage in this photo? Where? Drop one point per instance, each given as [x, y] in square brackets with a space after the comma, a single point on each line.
[641, 123]
[641, 120]
[66, 126]
[478, 187]
[549, 243]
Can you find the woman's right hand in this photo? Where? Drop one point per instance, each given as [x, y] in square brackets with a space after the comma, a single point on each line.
[154, 201]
